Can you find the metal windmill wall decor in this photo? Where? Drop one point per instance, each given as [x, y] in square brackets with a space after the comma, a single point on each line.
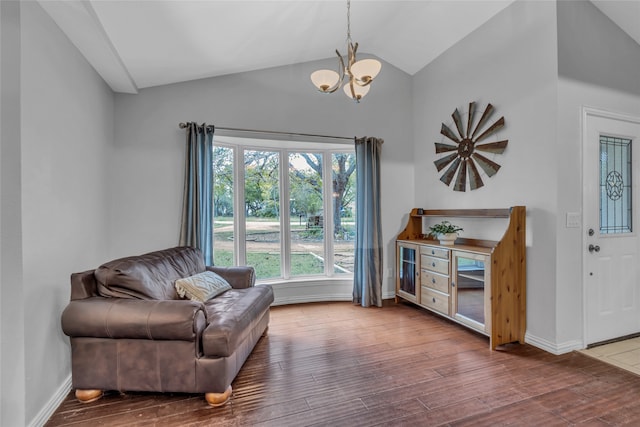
[464, 157]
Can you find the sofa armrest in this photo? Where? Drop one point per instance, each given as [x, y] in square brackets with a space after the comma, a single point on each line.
[100, 317]
[238, 277]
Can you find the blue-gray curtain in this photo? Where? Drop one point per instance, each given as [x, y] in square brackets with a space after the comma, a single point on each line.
[367, 277]
[196, 228]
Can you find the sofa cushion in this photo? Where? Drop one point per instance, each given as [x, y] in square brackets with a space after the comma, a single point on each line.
[150, 276]
[232, 316]
[202, 286]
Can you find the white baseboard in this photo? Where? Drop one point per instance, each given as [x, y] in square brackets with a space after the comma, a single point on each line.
[311, 298]
[45, 413]
[551, 347]
[285, 300]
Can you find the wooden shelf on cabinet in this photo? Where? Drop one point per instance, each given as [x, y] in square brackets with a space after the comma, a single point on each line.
[504, 277]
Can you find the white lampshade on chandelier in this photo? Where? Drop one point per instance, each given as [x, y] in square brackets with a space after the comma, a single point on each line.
[357, 75]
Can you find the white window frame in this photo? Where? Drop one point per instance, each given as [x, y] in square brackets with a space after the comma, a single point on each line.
[284, 147]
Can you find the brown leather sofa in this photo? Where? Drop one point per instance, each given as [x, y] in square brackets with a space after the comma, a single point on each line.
[130, 331]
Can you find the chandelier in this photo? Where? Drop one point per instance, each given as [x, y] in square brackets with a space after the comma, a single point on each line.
[358, 74]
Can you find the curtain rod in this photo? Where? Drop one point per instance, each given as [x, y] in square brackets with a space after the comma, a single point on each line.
[273, 132]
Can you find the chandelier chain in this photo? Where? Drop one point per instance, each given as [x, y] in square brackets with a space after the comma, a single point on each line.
[348, 21]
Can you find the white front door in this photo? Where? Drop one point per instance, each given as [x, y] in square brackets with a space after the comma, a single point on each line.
[611, 147]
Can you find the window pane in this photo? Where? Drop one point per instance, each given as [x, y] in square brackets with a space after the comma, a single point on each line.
[223, 206]
[306, 215]
[262, 210]
[343, 166]
[615, 185]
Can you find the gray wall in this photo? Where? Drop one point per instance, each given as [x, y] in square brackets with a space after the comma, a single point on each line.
[149, 148]
[12, 337]
[594, 50]
[599, 66]
[510, 62]
[66, 128]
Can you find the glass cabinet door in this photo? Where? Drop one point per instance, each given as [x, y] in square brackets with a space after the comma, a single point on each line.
[470, 297]
[408, 269]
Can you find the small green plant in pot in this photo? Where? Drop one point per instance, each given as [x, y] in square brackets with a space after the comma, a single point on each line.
[445, 232]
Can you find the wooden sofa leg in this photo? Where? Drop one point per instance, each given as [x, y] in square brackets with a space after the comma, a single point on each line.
[266, 331]
[88, 396]
[218, 399]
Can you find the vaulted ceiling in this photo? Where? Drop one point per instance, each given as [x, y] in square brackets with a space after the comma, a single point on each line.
[134, 44]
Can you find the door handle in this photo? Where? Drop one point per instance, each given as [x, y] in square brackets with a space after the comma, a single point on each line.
[593, 248]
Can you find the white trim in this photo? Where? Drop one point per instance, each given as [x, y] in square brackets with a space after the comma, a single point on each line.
[389, 295]
[303, 281]
[319, 298]
[312, 298]
[239, 225]
[595, 112]
[316, 290]
[312, 290]
[585, 114]
[551, 347]
[58, 397]
[327, 224]
[285, 220]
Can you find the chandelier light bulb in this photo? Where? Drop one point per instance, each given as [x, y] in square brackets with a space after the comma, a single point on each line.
[325, 80]
[365, 70]
[360, 91]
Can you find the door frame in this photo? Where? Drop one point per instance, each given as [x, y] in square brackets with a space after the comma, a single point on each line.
[587, 113]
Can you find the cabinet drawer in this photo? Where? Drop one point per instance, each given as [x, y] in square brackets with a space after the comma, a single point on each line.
[435, 281]
[434, 252]
[435, 300]
[434, 264]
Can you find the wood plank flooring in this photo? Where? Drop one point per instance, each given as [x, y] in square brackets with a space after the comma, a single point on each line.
[342, 365]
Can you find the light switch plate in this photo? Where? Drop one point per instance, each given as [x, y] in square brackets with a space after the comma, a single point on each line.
[574, 219]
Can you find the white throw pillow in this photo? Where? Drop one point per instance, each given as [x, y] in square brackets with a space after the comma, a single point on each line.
[202, 286]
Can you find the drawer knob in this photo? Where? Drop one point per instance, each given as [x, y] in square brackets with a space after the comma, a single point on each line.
[433, 280]
[433, 264]
[434, 300]
[433, 252]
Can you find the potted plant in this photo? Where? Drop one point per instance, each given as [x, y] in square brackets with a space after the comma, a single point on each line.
[445, 232]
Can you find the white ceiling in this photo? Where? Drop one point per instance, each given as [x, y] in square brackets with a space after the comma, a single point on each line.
[135, 44]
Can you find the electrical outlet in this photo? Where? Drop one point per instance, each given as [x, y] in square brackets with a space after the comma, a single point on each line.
[390, 272]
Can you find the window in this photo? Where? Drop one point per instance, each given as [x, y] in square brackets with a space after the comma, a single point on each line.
[276, 210]
[615, 185]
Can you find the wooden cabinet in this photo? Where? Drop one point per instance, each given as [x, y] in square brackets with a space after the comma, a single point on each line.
[477, 283]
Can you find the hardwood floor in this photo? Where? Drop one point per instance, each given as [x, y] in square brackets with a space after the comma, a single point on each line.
[343, 365]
